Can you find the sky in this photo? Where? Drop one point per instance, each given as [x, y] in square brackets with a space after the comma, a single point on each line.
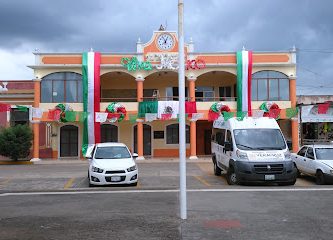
[214, 26]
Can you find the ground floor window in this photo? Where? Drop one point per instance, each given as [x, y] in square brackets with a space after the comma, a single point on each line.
[172, 134]
[69, 141]
[18, 117]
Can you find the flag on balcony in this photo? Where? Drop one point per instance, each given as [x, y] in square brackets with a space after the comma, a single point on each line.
[244, 76]
[190, 107]
[147, 107]
[91, 97]
[168, 107]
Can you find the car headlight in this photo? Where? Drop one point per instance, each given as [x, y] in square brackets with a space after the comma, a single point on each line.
[131, 169]
[96, 169]
[241, 155]
[287, 154]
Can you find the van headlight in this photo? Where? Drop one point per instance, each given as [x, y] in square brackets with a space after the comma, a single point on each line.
[96, 169]
[241, 155]
[287, 155]
[131, 169]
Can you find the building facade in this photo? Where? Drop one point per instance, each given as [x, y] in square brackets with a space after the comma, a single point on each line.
[210, 78]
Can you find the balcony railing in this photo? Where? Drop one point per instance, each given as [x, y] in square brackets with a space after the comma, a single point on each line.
[175, 98]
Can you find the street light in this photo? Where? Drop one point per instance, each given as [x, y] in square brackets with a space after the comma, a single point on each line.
[181, 87]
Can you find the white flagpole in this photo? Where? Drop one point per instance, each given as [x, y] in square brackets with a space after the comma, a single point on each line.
[181, 87]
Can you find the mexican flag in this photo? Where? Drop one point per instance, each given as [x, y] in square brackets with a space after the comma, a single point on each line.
[244, 77]
[91, 62]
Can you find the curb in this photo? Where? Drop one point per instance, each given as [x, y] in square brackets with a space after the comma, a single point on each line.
[16, 163]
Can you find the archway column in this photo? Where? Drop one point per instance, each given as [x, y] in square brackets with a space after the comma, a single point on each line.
[139, 89]
[193, 124]
[294, 121]
[35, 122]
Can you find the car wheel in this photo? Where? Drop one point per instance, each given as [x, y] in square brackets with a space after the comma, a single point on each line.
[232, 176]
[320, 179]
[217, 170]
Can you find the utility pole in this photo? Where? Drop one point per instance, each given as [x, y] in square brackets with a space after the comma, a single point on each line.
[181, 87]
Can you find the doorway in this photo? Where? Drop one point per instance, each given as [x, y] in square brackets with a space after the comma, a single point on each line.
[69, 141]
[146, 139]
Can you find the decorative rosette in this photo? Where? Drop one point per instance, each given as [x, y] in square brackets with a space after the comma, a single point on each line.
[63, 108]
[115, 112]
[268, 107]
[216, 110]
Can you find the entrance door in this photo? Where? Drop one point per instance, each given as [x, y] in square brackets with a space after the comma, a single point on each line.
[109, 133]
[207, 143]
[69, 141]
[146, 139]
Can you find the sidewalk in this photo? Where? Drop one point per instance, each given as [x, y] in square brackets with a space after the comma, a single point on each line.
[147, 160]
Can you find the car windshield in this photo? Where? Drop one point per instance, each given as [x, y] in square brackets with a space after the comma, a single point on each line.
[259, 139]
[324, 153]
[112, 152]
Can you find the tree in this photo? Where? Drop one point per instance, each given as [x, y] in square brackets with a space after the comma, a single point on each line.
[15, 142]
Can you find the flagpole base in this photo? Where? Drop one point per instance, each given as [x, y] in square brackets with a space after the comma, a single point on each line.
[35, 160]
[140, 158]
[193, 158]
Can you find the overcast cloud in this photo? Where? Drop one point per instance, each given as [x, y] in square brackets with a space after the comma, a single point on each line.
[214, 25]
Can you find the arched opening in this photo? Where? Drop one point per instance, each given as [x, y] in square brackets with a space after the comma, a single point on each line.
[216, 86]
[69, 142]
[270, 86]
[109, 133]
[61, 87]
[146, 139]
[163, 86]
[118, 87]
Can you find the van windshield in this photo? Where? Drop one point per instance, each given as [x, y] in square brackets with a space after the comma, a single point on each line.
[259, 139]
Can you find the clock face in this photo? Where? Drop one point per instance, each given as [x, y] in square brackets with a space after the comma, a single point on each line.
[165, 41]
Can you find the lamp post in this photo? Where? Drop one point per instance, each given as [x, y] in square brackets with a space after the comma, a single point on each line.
[181, 87]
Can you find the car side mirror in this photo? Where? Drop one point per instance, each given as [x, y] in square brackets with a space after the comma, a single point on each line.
[135, 155]
[228, 146]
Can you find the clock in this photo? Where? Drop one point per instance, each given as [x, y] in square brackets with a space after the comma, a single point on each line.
[165, 41]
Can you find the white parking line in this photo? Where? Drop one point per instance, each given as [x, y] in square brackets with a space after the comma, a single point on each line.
[170, 191]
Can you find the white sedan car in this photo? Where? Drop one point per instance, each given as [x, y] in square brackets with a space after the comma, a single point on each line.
[315, 160]
[111, 163]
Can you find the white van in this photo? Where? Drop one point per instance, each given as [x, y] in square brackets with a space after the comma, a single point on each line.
[251, 150]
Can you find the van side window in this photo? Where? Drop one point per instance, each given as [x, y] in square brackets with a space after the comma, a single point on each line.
[229, 137]
[220, 137]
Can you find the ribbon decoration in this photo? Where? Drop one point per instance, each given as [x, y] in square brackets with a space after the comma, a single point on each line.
[63, 108]
[133, 64]
[115, 112]
[270, 109]
[216, 110]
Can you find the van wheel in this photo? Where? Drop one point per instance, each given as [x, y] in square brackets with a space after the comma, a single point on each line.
[320, 179]
[217, 170]
[232, 176]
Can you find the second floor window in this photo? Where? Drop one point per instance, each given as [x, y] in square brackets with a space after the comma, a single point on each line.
[61, 87]
[270, 85]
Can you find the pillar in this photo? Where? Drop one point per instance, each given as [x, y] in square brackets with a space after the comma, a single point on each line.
[35, 122]
[139, 91]
[294, 121]
[193, 124]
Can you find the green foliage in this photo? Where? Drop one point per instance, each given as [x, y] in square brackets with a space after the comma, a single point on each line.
[15, 142]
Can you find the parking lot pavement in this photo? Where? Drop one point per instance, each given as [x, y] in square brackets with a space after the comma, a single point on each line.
[152, 175]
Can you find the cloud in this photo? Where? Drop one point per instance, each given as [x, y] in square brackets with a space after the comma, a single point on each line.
[214, 25]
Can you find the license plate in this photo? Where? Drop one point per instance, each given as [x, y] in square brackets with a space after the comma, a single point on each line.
[115, 179]
[269, 177]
